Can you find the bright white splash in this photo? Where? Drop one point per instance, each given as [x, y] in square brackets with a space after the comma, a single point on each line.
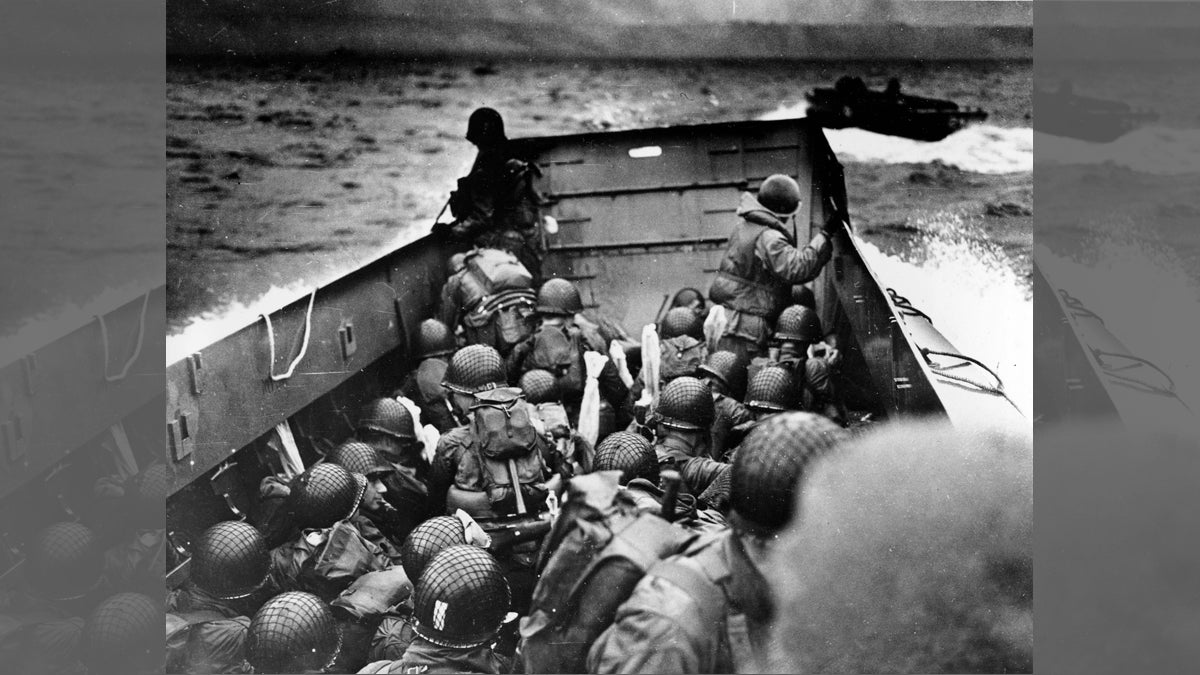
[1155, 150]
[213, 325]
[967, 285]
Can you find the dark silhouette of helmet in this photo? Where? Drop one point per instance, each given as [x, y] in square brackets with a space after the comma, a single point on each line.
[539, 386]
[434, 338]
[798, 323]
[230, 560]
[559, 297]
[485, 126]
[716, 495]
[122, 635]
[629, 453]
[323, 495]
[686, 403]
[780, 194]
[358, 457]
[293, 632]
[685, 297]
[427, 540]
[772, 390]
[474, 368]
[803, 295]
[64, 561]
[147, 496]
[682, 321]
[769, 463]
[728, 368]
[461, 599]
[389, 416]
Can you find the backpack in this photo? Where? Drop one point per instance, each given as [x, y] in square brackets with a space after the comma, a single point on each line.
[498, 298]
[506, 443]
[589, 565]
[557, 350]
[680, 356]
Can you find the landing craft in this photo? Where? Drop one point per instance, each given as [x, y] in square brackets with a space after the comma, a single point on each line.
[1064, 113]
[849, 103]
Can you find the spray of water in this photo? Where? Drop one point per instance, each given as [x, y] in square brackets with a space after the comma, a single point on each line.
[1154, 150]
[968, 285]
[210, 326]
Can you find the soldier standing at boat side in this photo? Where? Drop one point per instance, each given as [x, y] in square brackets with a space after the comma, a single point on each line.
[762, 263]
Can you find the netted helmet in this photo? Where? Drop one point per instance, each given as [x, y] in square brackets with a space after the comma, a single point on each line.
[686, 403]
[729, 369]
[539, 386]
[358, 457]
[798, 323]
[230, 560]
[773, 389]
[323, 495]
[559, 297]
[474, 368]
[65, 560]
[682, 321]
[427, 540]
[485, 126]
[434, 338]
[389, 416]
[461, 599]
[803, 295]
[293, 632]
[147, 496]
[629, 453]
[779, 194]
[716, 495]
[120, 634]
[769, 464]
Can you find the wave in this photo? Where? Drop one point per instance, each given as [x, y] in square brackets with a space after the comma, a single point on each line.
[1154, 150]
[210, 326]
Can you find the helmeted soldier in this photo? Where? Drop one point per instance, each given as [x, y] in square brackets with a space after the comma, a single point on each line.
[798, 337]
[710, 609]
[771, 391]
[726, 376]
[761, 264]
[423, 385]
[122, 636]
[65, 568]
[380, 522]
[635, 458]
[386, 425]
[683, 419]
[294, 632]
[681, 321]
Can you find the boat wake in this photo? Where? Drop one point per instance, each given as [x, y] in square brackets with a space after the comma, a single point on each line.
[208, 327]
[1153, 150]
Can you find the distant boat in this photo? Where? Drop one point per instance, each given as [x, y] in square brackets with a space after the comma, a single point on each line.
[849, 103]
[1064, 113]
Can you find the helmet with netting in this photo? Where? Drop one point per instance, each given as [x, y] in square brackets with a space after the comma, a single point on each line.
[474, 368]
[65, 560]
[147, 497]
[323, 495]
[798, 323]
[539, 386]
[427, 540]
[358, 457]
[559, 296]
[485, 126]
[629, 453]
[293, 632]
[780, 194]
[123, 634]
[686, 403]
[682, 321]
[461, 599]
[434, 338]
[729, 369]
[389, 416]
[772, 390]
[716, 495]
[230, 560]
[769, 464]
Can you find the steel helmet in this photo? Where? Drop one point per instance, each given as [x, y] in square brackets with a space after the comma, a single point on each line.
[539, 386]
[427, 540]
[65, 561]
[769, 464]
[293, 632]
[461, 599]
[485, 126]
[389, 416]
[559, 297]
[686, 297]
[434, 338]
[148, 496]
[779, 194]
[803, 295]
[358, 457]
[728, 368]
[682, 321]
[629, 453]
[474, 368]
[323, 495]
[772, 390]
[230, 560]
[798, 323]
[686, 403]
[716, 495]
[120, 634]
